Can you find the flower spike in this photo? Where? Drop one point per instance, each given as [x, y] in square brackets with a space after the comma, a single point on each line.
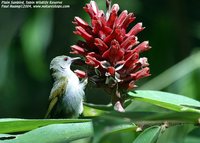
[109, 48]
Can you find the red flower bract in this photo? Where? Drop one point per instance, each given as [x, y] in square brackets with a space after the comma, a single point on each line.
[113, 51]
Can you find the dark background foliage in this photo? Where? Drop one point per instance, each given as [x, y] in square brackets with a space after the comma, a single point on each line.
[30, 38]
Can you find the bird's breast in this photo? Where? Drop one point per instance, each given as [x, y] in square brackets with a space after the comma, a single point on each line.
[73, 98]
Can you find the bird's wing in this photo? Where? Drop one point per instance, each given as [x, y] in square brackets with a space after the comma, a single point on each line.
[56, 92]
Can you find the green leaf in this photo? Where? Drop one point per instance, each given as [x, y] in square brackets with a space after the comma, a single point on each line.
[107, 125]
[55, 133]
[175, 134]
[11, 125]
[99, 107]
[154, 117]
[92, 112]
[167, 100]
[193, 136]
[114, 123]
[150, 135]
[192, 139]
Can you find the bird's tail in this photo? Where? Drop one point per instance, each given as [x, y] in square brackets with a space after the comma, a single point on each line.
[51, 105]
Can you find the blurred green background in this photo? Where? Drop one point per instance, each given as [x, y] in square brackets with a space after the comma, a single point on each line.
[30, 38]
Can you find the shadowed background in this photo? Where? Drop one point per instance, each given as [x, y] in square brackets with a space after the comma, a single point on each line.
[30, 38]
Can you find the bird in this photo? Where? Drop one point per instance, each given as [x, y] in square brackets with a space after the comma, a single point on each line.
[67, 94]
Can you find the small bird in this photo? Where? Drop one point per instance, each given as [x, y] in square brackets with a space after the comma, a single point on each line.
[66, 97]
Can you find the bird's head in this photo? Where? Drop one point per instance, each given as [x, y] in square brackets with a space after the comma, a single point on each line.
[61, 63]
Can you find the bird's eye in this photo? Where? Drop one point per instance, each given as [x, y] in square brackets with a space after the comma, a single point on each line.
[65, 59]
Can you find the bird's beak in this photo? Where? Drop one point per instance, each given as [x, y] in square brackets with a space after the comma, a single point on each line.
[75, 58]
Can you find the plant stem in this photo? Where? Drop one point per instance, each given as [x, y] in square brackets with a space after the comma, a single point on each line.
[118, 102]
[165, 123]
[183, 68]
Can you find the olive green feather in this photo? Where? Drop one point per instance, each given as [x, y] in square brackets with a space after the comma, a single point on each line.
[57, 92]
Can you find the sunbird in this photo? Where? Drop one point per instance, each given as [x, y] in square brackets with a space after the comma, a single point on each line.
[67, 93]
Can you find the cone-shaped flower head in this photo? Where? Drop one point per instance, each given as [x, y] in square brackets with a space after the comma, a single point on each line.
[112, 51]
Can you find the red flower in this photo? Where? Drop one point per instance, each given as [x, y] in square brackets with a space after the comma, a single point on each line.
[113, 51]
